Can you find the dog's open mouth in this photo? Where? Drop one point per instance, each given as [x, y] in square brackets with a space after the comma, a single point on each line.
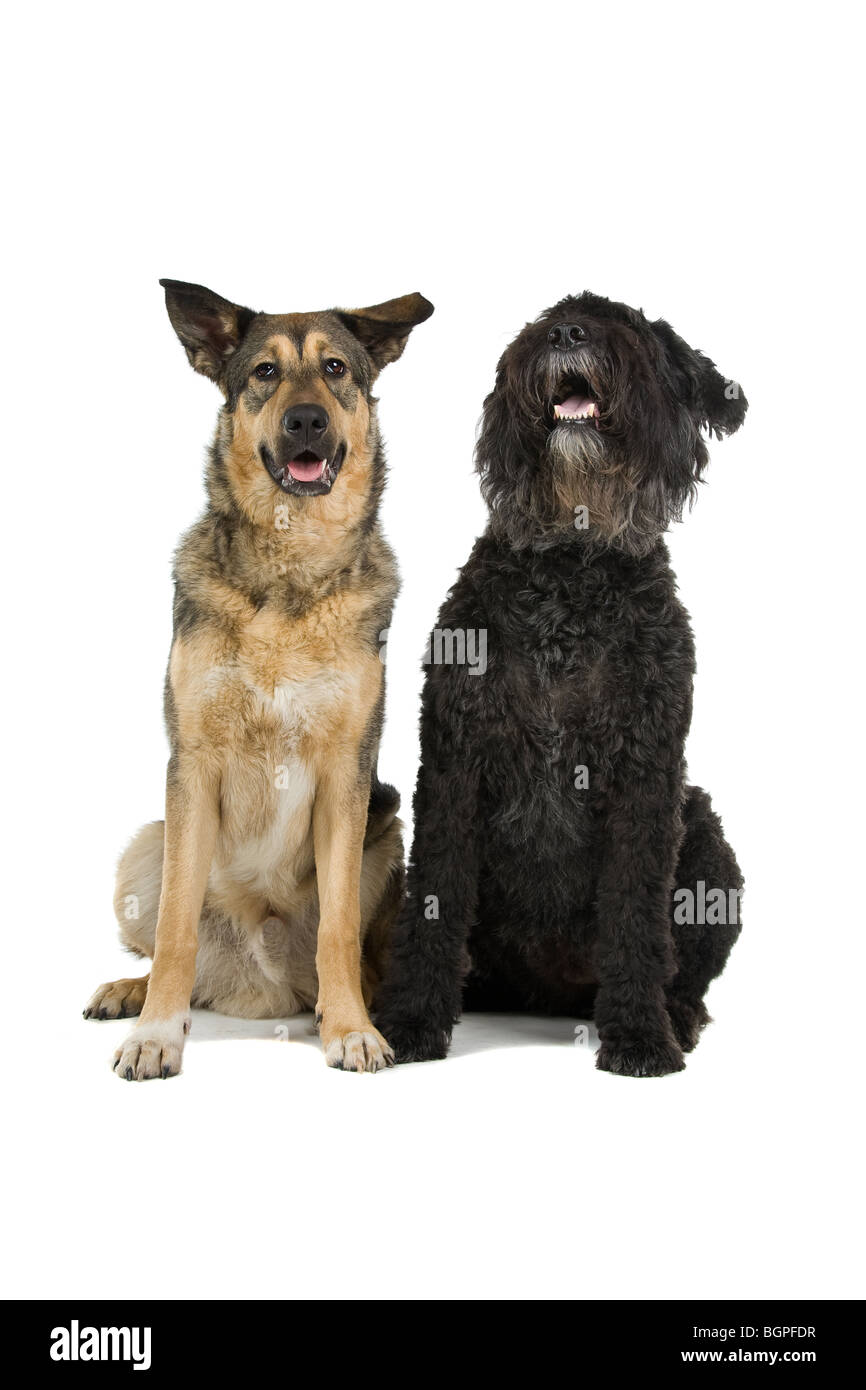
[308, 474]
[306, 468]
[575, 404]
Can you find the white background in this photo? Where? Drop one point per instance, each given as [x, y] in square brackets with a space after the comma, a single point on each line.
[696, 161]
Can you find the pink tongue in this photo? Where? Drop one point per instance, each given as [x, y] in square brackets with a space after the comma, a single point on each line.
[307, 472]
[575, 405]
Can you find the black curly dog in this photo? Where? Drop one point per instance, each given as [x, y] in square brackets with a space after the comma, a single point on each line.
[554, 826]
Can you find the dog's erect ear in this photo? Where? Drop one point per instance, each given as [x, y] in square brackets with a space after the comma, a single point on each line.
[718, 400]
[209, 326]
[384, 328]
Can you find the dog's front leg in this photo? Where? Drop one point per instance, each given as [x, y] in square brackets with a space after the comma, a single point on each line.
[349, 1040]
[155, 1045]
[421, 995]
[635, 958]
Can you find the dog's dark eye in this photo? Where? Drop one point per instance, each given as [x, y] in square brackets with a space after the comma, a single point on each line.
[265, 370]
[334, 367]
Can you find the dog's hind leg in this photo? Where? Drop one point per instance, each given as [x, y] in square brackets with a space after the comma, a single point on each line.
[136, 903]
[118, 999]
[229, 976]
[706, 865]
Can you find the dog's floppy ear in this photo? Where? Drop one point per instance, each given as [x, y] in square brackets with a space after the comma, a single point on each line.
[384, 328]
[209, 326]
[718, 400]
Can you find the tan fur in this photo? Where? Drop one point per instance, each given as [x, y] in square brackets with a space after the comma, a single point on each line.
[271, 886]
[329, 520]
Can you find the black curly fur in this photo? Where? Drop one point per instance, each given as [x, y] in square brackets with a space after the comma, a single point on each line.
[525, 892]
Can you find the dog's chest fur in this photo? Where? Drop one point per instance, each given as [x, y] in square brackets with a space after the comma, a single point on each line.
[265, 696]
[581, 647]
[549, 672]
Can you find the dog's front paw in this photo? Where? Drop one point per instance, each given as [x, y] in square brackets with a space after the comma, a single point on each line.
[153, 1049]
[362, 1050]
[640, 1058]
[418, 1043]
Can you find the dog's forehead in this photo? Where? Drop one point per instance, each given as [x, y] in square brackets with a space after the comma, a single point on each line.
[593, 306]
[296, 338]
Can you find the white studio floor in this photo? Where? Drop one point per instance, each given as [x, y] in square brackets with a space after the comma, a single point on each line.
[511, 1170]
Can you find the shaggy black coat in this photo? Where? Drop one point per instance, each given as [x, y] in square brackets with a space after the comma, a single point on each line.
[553, 820]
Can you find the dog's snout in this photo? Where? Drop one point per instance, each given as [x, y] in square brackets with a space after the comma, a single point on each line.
[566, 335]
[305, 423]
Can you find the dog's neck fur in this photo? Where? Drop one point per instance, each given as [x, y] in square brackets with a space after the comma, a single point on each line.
[575, 549]
[583, 545]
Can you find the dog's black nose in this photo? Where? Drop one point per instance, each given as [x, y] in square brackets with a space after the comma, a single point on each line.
[566, 335]
[305, 423]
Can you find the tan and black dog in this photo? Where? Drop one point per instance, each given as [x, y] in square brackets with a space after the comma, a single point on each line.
[271, 885]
